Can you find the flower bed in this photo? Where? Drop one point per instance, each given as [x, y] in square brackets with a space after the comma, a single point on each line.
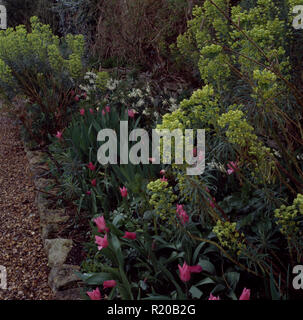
[155, 232]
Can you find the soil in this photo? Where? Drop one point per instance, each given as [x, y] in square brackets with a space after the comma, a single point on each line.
[77, 229]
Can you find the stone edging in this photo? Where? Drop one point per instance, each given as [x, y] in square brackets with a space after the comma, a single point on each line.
[62, 278]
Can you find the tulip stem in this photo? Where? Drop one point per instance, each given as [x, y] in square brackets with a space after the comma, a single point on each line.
[155, 226]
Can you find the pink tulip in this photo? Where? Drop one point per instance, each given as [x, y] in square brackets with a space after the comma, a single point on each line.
[95, 294]
[232, 167]
[101, 224]
[94, 182]
[91, 166]
[131, 113]
[82, 112]
[195, 269]
[77, 98]
[88, 193]
[152, 160]
[130, 235]
[162, 172]
[91, 110]
[59, 135]
[211, 297]
[107, 109]
[184, 272]
[101, 242]
[245, 294]
[103, 112]
[163, 179]
[84, 95]
[180, 207]
[109, 284]
[123, 192]
[183, 216]
[72, 93]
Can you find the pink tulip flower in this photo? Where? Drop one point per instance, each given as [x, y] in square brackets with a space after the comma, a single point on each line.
[245, 294]
[59, 135]
[233, 167]
[91, 166]
[131, 113]
[183, 216]
[184, 272]
[163, 179]
[211, 297]
[101, 224]
[123, 192]
[101, 242]
[195, 269]
[109, 284]
[130, 235]
[95, 294]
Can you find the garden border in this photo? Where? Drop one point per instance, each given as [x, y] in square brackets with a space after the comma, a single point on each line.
[62, 278]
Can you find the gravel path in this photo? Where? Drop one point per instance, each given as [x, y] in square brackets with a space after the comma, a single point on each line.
[21, 248]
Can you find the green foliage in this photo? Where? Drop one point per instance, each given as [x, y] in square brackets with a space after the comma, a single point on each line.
[162, 199]
[243, 216]
[250, 108]
[35, 65]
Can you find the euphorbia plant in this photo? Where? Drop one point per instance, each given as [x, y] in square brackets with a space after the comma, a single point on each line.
[45, 69]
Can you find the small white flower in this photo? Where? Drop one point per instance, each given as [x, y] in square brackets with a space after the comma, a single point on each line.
[277, 153]
[148, 89]
[172, 100]
[156, 115]
[140, 103]
[173, 107]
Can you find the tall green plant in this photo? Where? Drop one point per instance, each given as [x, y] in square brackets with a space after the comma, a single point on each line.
[43, 68]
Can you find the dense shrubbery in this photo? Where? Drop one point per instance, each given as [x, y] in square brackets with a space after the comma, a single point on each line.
[131, 32]
[155, 231]
[44, 69]
[20, 11]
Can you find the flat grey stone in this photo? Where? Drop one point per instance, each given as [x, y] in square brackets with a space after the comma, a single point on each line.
[57, 250]
[63, 277]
